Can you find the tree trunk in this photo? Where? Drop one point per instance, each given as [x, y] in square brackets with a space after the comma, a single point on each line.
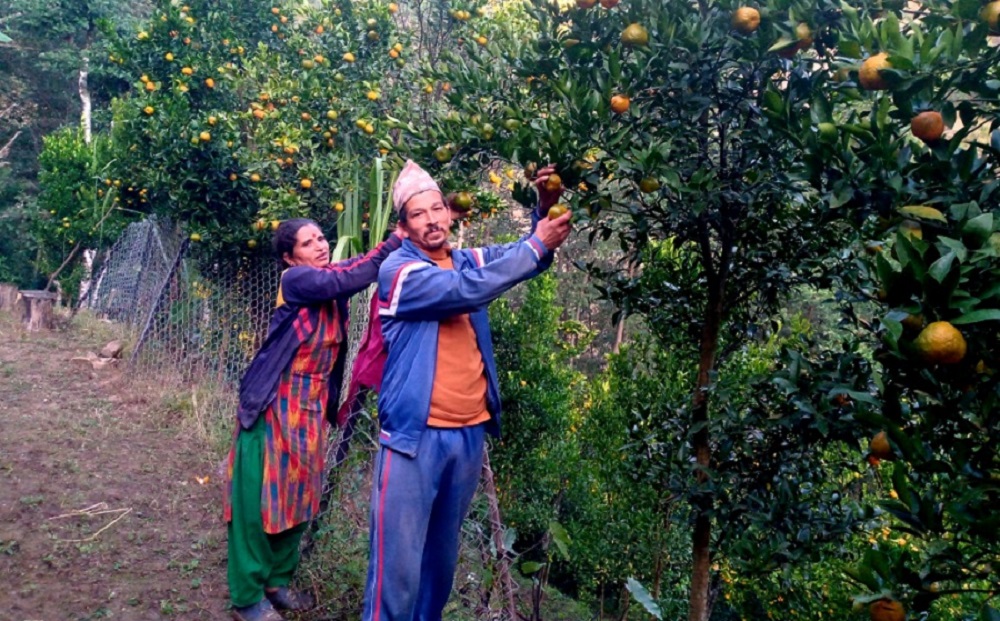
[85, 99]
[8, 297]
[37, 310]
[701, 555]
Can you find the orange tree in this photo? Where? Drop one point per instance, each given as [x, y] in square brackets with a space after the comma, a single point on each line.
[740, 134]
[241, 115]
[913, 168]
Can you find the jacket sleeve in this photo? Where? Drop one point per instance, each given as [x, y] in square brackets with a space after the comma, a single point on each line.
[421, 291]
[303, 285]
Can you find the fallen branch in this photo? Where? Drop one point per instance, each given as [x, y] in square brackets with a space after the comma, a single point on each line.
[100, 508]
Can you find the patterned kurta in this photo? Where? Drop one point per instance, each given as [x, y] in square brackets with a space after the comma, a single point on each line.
[296, 436]
[295, 431]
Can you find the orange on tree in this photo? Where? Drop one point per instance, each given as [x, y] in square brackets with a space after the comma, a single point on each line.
[463, 201]
[187, 70]
[393, 7]
[827, 132]
[212, 120]
[991, 15]
[886, 610]
[148, 110]
[648, 185]
[746, 20]
[553, 183]
[635, 35]
[232, 177]
[870, 74]
[195, 237]
[879, 447]
[349, 57]
[209, 82]
[275, 224]
[928, 125]
[940, 343]
[338, 206]
[255, 178]
[150, 86]
[169, 57]
[620, 104]
[319, 29]
[306, 183]
[251, 243]
[205, 136]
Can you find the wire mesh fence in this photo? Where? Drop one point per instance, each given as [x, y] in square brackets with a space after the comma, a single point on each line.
[195, 325]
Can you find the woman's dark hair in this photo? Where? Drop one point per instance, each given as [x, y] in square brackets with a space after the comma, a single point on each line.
[284, 238]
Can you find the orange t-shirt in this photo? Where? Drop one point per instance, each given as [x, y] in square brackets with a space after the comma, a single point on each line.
[458, 398]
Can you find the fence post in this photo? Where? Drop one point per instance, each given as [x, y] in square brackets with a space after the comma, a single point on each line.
[156, 303]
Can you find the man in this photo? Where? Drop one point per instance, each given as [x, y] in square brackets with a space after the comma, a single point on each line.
[439, 391]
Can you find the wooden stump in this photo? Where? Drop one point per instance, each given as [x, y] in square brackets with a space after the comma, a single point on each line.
[37, 309]
[8, 297]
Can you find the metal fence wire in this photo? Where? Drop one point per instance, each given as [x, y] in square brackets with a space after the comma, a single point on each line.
[195, 324]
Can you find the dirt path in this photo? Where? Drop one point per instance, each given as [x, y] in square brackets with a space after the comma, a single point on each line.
[70, 441]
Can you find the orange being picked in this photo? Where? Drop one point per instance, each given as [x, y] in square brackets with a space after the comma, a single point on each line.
[553, 183]
[557, 210]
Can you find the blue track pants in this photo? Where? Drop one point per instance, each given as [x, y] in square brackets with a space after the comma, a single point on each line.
[418, 505]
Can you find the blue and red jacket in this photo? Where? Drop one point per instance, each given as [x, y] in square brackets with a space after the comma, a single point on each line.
[302, 291]
[414, 295]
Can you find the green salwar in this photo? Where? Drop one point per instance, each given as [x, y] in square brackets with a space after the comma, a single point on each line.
[256, 559]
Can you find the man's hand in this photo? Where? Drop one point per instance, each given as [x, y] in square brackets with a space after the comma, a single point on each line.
[554, 232]
[546, 197]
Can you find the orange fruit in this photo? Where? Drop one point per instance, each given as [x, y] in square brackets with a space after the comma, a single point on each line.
[306, 184]
[187, 70]
[205, 136]
[319, 29]
[463, 201]
[940, 343]
[928, 125]
[255, 178]
[648, 185]
[620, 104]
[870, 74]
[150, 86]
[251, 243]
[886, 610]
[553, 183]
[349, 57]
[148, 110]
[746, 20]
[393, 7]
[635, 35]
[338, 206]
[991, 15]
[275, 224]
[557, 210]
[209, 82]
[168, 57]
[195, 237]
[879, 447]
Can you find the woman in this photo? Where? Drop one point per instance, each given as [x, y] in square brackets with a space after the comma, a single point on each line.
[291, 386]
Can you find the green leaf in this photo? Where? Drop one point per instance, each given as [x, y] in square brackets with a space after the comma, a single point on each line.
[530, 567]
[940, 268]
[979, 228]
[990, 314]
[561, 538]
[643, 596]
[5, 39]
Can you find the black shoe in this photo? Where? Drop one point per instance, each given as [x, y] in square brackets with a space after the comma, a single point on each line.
[261, 611]
[287, 599]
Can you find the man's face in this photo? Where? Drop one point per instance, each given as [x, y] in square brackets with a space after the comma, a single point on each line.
[428, 221]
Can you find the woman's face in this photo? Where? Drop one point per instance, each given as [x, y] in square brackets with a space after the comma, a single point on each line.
[311, 248]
